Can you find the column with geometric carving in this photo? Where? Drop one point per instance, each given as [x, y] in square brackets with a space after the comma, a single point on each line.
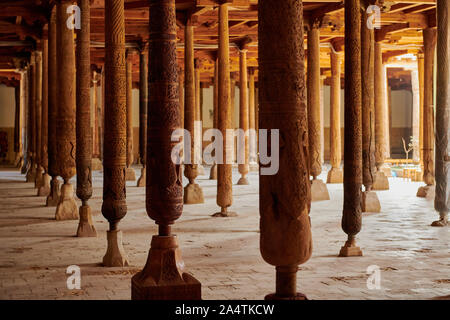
[130, 173]
[143, 106]
[243, 136]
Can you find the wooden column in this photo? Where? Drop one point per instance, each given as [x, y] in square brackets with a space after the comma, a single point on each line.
[114, 206]
[17, 123]
[83, 123]
[44, 186]
[143, 105]
[65, 120]
[442, 199]
[335, 174]
[420, 68]
[370, 202]
[101, 129]
[96, 137]
[38, 116]
[415, 88]
[351, 215]
[26, 121]
[31, 172]
[164, 191]
[198, 128]
[253, 157]
[285, 197]
[192, 192]
[319, 189]
[213, 172]
[381, 120]
[53, 197]
[130, 173]
[224, 170]
[243, 165]
[429, 42]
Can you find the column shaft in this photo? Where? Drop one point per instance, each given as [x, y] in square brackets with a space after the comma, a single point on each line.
[243, 165]
[381, 120]
[335, 111]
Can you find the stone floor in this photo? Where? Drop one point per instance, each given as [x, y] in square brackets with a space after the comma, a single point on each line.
[35, 250]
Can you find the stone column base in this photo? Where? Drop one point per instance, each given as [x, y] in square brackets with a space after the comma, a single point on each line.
[426, 192]
[115, 254]
[31, 174]
[242, 181]
[141, 180]
[319, 191]
[335, 175]
[224, 213]
[380, 182]
[96, 164]
[193, 194]
[39, 177]
[350, 249]
[53, 197]
[86, 227]
[67, 207]
[370, 202]
[130, 174]
[44, 189]
[213, 172]
[163, 277]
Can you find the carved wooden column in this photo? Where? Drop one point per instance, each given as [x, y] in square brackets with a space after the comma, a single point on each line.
[285, 197]
[31, 134]
[442, 199]
[351, 215]
[53, 197]
[130, 173]
[198, 128]
[370, 202]
[243, 165]
[96, 162]
[224, 169]
[114, 206]
[319, 189]
[143, 105]
[420, 68]
[181, 88]
[26, 121]
[38, 117]
[213, 172]
[192, 192]
[253, 157]
[429, 42]
[335, 175]
[65, 120]
[83, 123]
[44, 187]
[101, 129]
[164, 276]
[415, 88]
[381, 182]
[17, 123]
[322, 120]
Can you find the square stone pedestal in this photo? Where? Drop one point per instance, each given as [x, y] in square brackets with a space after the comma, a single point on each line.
[319, 191]
[381, 182]
[193, 194]
[370, 202]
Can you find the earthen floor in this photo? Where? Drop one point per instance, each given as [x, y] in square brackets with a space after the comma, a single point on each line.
[223, 253]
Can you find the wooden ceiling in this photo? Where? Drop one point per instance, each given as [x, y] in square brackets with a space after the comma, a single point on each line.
[23, 23]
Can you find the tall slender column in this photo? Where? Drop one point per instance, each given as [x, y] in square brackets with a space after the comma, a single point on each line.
[370, 202]
[381, 120]
[17, 124]
[96, 137]
[192, 192]
[319, 189]
[442, 199]
[351, 215]
[251, 116]
[415, 114]
[164, 275]
[44, 187]
[420, 68]
[26, 121]
[224, 170]
[234, 123]
[181, 87]
[429, 42]
[114, 206]
[65, 120]
[31, 172]
[285, 197]
[143, 105]
[53, 197]
[101, 129]
[198, 128]
[130, 173]
[243, 165]
[83, 123]
[335, 174]
[322, 120]
[213, 172]
[38, 116]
